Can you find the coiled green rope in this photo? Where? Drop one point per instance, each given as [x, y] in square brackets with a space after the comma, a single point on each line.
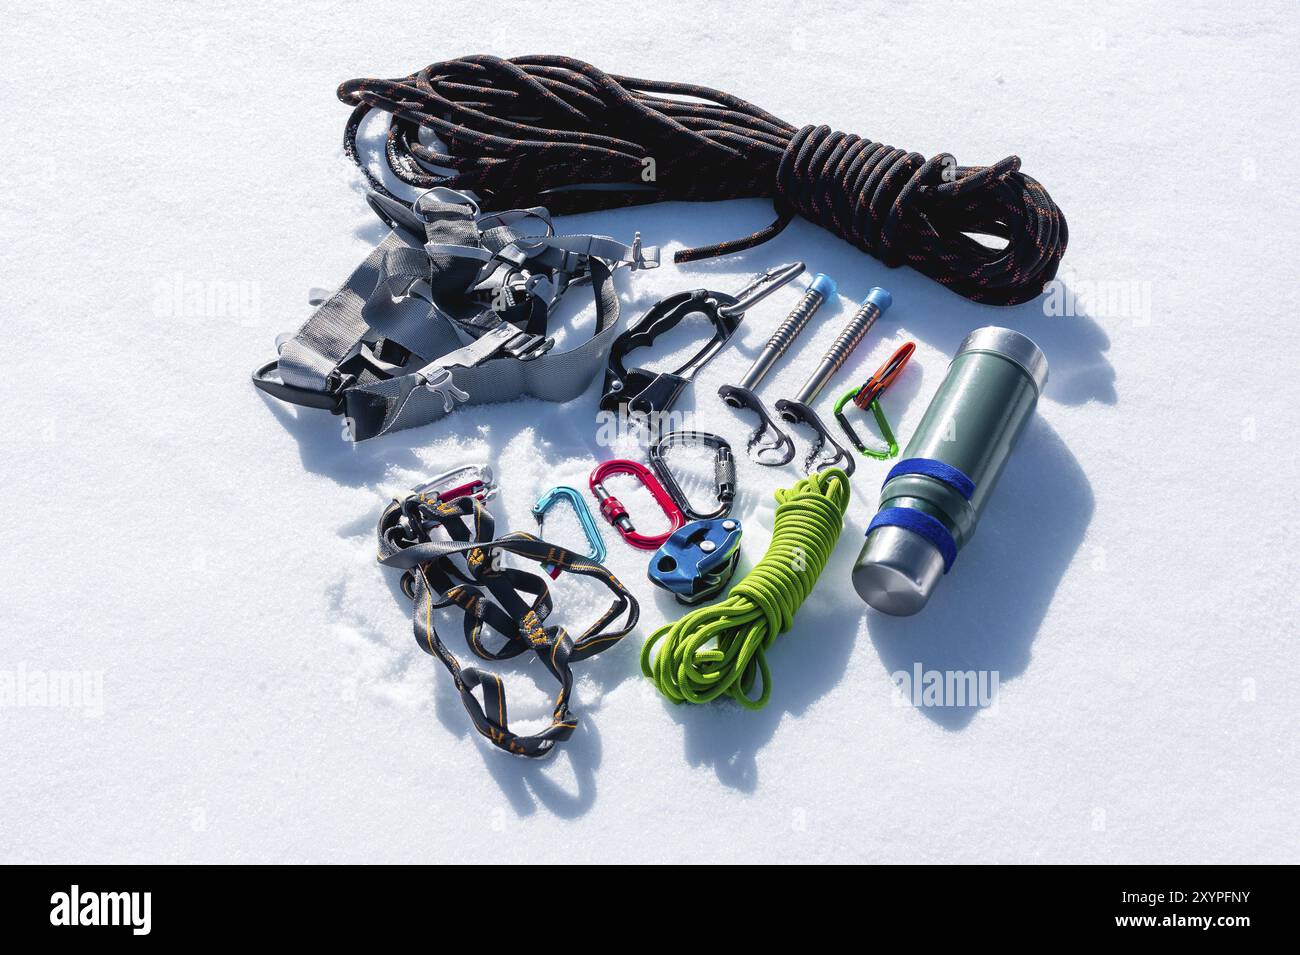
[720, 648]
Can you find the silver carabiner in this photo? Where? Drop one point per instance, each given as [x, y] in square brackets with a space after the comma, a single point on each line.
[478, 480]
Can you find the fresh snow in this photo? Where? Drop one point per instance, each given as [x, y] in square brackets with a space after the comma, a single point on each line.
[205, 663]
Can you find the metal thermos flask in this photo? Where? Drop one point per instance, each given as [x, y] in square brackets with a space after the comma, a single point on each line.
[933, 498]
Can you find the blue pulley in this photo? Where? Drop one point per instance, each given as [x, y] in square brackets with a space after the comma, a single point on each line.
[698, 560]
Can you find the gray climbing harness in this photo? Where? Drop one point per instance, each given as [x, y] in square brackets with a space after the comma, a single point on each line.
[451, 308]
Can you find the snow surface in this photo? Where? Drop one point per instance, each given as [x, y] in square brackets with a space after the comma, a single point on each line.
[210, 552]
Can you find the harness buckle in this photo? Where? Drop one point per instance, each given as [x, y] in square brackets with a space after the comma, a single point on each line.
[526, 347]
[383, 358]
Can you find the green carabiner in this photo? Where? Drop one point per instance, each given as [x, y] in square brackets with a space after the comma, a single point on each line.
[867, 395]
[885, 431]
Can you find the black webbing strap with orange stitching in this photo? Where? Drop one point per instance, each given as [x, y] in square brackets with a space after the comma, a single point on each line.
[512, 602]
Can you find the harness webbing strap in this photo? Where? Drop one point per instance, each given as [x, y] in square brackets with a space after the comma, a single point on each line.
[332, 332]
[436, 389]
[429, 295]
[509, 601]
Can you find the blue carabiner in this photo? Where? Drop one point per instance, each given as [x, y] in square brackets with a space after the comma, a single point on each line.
[579, 505]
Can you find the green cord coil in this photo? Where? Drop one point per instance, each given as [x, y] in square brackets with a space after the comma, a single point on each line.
[719, 649]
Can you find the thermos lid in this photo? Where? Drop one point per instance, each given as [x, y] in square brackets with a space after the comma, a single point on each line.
[1012, 346]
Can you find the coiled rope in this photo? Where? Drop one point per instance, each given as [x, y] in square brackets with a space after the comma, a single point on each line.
[721, 648]
[559, 132]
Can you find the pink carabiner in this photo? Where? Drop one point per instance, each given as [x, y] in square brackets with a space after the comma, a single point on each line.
[614, 511]
[482, 486]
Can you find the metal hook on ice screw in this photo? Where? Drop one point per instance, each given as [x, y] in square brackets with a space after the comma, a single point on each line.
[798, 412]
[768, 444]
[799, 409]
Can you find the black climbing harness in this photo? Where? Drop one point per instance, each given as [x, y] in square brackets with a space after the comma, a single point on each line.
[464, 569]
[451, 308]
[724, 471]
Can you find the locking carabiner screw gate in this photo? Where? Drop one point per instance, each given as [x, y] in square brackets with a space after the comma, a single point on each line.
[724, 471]
[614, 511]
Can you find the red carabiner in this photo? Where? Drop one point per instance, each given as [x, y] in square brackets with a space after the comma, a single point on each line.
[482, 485]
[616, 514]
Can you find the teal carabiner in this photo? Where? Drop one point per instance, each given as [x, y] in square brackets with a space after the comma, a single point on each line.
[579, 505]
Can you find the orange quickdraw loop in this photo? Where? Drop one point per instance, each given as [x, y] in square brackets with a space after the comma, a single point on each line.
[875, 386]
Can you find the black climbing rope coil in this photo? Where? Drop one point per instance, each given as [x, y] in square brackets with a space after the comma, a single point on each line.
[557, 131]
